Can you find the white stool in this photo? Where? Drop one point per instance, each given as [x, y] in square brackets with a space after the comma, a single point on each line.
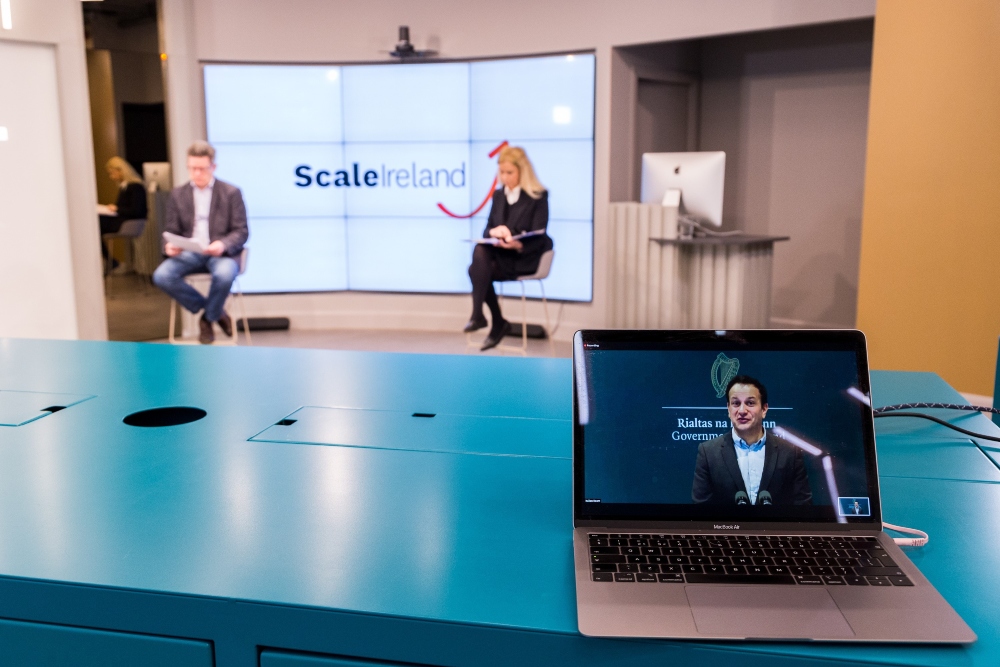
[201, 282]
[129, 231]
[540, 274]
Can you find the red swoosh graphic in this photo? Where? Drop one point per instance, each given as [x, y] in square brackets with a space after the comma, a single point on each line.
[493, 153]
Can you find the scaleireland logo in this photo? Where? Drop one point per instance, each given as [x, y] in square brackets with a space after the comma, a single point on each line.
[724, 369]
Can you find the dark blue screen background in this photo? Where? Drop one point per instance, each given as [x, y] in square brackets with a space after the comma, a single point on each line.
[637, 451]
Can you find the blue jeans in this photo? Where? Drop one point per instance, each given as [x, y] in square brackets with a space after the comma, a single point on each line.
[169, 277]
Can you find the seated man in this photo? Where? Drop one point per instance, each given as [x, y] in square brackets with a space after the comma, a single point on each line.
[748, 461]
[211, 212]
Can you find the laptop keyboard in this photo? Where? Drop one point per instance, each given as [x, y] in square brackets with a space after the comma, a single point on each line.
[743, 559]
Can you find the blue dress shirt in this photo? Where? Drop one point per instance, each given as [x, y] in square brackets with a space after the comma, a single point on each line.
[751, 460]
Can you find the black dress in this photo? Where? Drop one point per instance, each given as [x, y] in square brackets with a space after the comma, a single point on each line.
[525, 215]
[131, 206]
[491, 263]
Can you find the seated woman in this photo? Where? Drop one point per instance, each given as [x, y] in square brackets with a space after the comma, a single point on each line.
[521, 206]
[131, 202]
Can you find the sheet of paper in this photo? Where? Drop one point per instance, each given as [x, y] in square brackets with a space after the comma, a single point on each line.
[493, 241]
[183, 242]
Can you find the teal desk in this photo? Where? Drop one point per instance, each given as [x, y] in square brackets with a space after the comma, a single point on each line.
[393, 539]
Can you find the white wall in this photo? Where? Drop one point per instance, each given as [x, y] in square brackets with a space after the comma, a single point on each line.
[38, 301]
[51, 283]
[323, 31]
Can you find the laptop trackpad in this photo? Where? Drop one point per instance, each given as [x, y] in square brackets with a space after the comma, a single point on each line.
[769, 612]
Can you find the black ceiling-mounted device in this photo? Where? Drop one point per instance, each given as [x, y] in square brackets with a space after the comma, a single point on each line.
[404, 49]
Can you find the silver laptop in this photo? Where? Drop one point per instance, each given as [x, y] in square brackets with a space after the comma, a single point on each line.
[725, 487]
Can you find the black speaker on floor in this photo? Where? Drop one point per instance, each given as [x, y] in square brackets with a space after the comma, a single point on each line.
[265, 324]
[534, 330]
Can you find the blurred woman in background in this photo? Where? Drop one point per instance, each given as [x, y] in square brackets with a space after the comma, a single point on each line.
[131, 202]
[520, 207]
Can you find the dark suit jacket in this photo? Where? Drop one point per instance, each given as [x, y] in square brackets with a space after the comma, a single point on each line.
[131, 202]
[717, 476]
[526, 215]
[227, 215]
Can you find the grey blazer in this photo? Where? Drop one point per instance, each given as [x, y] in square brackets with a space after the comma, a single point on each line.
[717, 475]
[227, 215]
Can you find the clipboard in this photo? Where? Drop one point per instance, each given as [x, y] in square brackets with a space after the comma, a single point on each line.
[492, 241]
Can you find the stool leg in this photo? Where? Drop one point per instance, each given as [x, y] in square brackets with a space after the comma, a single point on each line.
[173, 321]
[500, 296]
[469, 343]
[130, 253]
[548, 324]
[108, 264]
[243, 310]
[134, 263]
[524, 321]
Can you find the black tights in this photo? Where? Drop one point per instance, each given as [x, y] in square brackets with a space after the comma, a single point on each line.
[482, 272]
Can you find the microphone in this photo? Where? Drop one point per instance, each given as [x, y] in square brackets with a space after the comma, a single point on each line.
[742, 498]
[763, 498]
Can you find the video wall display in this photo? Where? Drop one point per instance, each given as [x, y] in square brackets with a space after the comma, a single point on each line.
[364, 177]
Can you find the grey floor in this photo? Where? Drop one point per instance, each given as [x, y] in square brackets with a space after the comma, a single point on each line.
[426, 342]
[138, 311]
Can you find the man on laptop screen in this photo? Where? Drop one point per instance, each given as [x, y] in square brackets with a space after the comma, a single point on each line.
[725, 486]
[770, 470]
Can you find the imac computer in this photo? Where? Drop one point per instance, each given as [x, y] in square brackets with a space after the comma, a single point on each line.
[157, 176]
[698, 177]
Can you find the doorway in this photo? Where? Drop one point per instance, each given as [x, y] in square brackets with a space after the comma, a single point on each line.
[127, 113]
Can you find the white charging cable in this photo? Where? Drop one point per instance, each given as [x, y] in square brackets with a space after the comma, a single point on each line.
[919, 541]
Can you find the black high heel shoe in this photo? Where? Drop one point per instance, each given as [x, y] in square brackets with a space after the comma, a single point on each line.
[474, 325]
[496, 336]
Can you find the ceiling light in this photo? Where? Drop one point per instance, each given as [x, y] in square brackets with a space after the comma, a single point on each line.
[5, 14]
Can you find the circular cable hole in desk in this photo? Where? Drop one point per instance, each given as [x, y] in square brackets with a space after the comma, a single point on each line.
[172, 416]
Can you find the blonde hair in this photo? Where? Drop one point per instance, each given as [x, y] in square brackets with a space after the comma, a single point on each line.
[129, 174]
[528, 181]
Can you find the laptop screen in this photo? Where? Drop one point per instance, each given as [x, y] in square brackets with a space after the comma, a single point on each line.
[738, 426]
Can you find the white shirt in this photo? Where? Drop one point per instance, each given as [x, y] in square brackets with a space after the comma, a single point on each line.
[751, 460]
[512, 195]
[202, 205]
